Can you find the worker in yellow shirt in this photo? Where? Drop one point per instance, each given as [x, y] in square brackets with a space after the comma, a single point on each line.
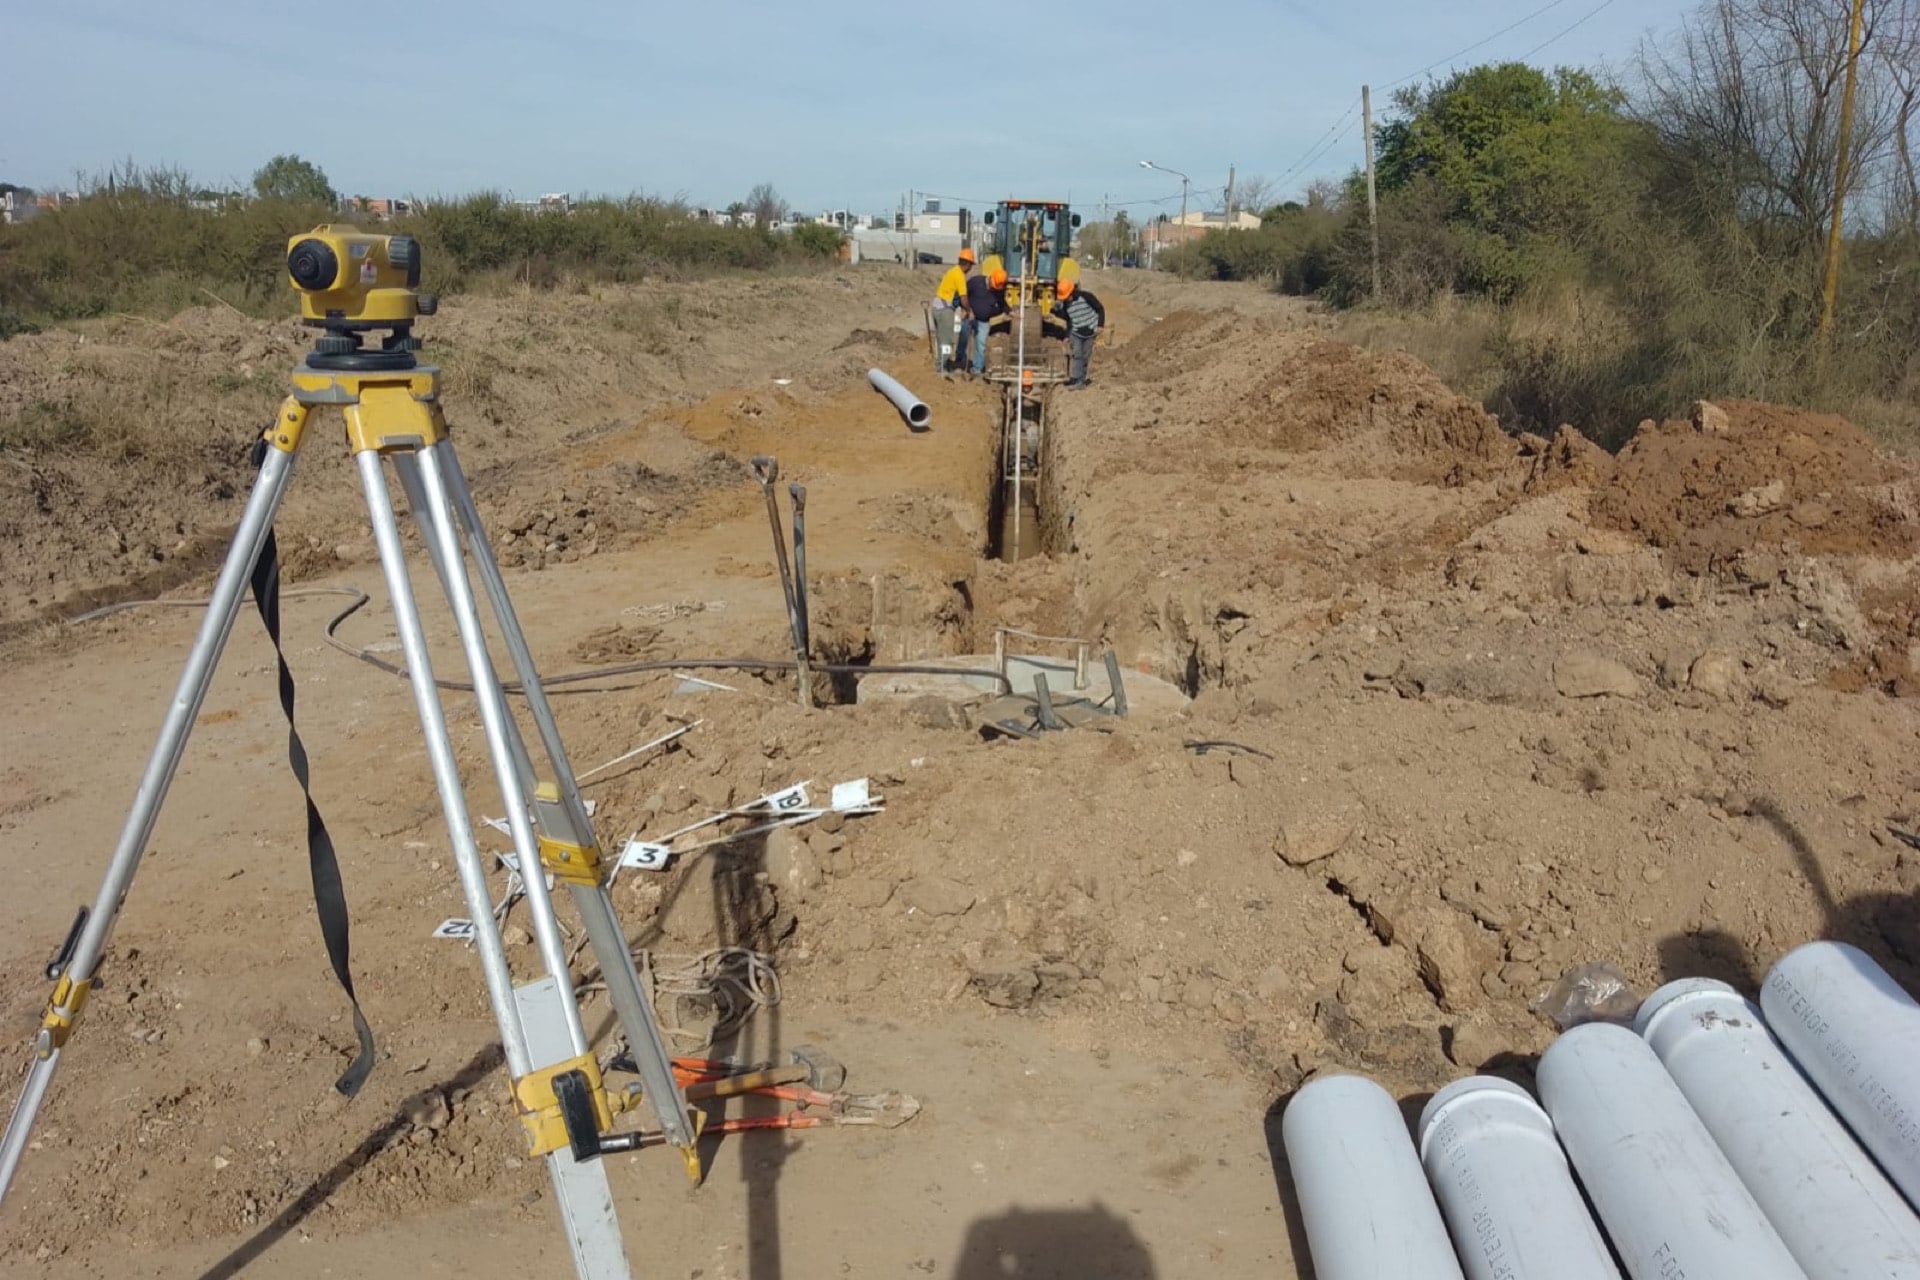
[949, 306]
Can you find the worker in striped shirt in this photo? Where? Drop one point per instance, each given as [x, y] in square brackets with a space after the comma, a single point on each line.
[1085, 317]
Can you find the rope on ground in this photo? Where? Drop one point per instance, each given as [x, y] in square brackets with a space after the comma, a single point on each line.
[734, 982]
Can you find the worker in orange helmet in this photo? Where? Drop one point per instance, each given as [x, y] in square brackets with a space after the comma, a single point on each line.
[949, 314]
[1085, 317]
[986, 302]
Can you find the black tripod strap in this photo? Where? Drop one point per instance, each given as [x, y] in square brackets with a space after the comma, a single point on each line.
[329, 898]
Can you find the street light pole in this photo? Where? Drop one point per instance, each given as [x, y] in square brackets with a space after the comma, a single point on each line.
[1185, 182]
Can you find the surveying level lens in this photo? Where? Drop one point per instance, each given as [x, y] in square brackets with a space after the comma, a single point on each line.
[313, 265]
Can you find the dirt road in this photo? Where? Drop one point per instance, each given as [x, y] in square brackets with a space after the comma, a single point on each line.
[1497, 706]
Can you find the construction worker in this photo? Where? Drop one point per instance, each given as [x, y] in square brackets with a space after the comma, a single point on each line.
[949, 309]
[986, 302]
[1085, 317]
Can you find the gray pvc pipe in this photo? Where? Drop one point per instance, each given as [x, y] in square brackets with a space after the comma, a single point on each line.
[1365, 1203]
[1669, 1200]
[1857, 1036]
[1505, 1188]
[1836, 1211]
[911, 407]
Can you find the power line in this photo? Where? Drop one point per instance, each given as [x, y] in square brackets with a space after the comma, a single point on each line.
[1482, 43]
[1344, 126]
[1591, 14]
[1332, 142]
[1313, 152]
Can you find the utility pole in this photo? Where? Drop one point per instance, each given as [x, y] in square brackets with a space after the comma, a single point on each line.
[1373, 191]
[913, 256]
[1841, 176]
[1230, 173]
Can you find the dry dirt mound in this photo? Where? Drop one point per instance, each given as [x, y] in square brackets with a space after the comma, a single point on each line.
[858, 352]
[1745, 477]
[1256, 383]
[1568, 461]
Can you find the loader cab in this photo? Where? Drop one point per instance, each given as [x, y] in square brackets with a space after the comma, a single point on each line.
[1043, 227]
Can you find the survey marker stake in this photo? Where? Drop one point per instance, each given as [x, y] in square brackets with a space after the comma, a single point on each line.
[767, 470]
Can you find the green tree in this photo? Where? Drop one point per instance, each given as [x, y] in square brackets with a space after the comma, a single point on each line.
[1519, 165]
[1510, 144]
[289, 177]
[818, 240]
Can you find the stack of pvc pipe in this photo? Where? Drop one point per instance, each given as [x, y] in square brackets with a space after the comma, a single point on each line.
[1504, 1186]
[1671, 1203]
[1835, 1210]
[1857, 1036]
[1705, 1145]
[1365, 1205]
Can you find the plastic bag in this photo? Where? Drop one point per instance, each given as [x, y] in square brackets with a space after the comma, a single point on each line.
[1593, 992]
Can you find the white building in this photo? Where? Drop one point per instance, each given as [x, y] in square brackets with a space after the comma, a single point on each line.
[18, 205]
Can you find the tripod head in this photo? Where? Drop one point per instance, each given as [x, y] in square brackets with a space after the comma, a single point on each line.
[352, 285]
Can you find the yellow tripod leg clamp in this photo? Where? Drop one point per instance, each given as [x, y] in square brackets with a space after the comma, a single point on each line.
[541, 1114]
[568, 853]
[288, 425]
[63, 1010]
[573, 863]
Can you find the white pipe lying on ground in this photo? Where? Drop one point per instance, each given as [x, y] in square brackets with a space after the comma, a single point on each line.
[1669, 1200]
[1857, 1036]
[1504, 1186]
[1837, 1212]
[911, 407]
[1367, 1209]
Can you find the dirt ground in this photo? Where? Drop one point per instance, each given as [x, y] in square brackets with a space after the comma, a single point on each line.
[1467, 710]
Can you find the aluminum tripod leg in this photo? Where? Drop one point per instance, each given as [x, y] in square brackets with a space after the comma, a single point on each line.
[255, 523]
[503, 737]
[580, 1190]
[593, 903]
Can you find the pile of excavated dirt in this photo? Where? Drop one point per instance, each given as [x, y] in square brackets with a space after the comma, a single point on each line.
[169, 411]
[1263, 385]
[1743, 478]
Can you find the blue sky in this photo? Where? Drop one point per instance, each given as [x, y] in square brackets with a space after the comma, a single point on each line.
[839, 105]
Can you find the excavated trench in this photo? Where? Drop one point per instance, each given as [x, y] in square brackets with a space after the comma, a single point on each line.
[1015, 520]
[909, 616]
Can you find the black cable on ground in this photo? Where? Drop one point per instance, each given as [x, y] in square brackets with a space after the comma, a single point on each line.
[360, 599]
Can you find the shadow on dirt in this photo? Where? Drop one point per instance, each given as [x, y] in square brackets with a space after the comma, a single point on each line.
[1054, 1244]
[1884, 925]
[1283, 1185]
[483, 1064]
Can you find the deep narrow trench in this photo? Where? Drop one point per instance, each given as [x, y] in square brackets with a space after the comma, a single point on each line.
[1015, 530]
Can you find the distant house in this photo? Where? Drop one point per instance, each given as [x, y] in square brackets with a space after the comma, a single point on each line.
[559, 202]
[1158, 234]
[18, 205]
[376, 208]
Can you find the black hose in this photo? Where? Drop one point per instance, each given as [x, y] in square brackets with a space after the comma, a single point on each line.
[361, 598]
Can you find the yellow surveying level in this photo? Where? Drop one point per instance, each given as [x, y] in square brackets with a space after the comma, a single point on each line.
[353, 286]
[349, 279]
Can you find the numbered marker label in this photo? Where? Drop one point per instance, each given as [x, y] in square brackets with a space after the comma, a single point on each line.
[642, 855]
[458, 930]
[794, 797]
